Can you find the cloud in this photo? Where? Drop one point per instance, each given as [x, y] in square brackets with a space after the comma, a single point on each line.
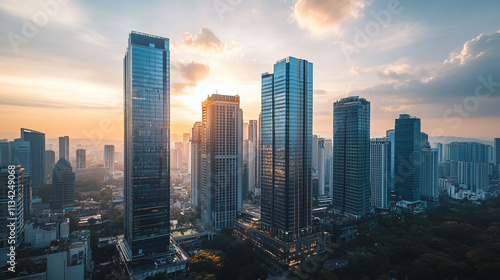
[397, 71]
[452, 84]
[323, 16]
[192, 72]
[207, 42]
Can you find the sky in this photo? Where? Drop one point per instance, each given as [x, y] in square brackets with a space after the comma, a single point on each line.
[62, 60]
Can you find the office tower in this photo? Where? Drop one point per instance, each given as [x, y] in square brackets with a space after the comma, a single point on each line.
[81, 159]
[315, 152]
[50, 163]
[321, 166]
[11, 179]
[175, 159]
[258, 159]
[440, 152]
[252, 155]
[380, 172]
[328, 147]
[186, 148]
[20, 154]
[37, 148]
[351, 156]
[389, 134]
[429, 176]
[286, 149]
[221, 160]
[329, 174]
[147, 142]
[109, 157]
[424, 140]
[408, 139]
[63, 185]
[4, 152]
[196, 170]
[64, 147]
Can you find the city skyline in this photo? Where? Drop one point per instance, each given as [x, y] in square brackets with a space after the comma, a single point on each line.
[211, 56]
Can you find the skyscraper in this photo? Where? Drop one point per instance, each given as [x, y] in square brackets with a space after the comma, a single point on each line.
[20, 154]
[37, 148]
[186, 149]
[315, 153]
[380, 172]
[64, 147]
[429, 176]
[321, 166]
[390, 134]
[109, 157]
[63, 185]
[50, 163]
[351, 156]
[81, 159]
[407, 158]
[4, 152]
[497, 156]
[286, 149]
[222, 160]
[196, 171]
[147, 141]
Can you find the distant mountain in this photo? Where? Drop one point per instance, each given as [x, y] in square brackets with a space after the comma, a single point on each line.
[449, 139]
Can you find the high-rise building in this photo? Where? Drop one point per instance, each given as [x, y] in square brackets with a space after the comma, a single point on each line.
[221, 160]
[390, 134]
[315, 154]
[497, 156]
[469, 152]
[147, 142]
[321, 166]
[37, 148]
[186, 149]
[63, 185]
[286, 149]
[407, 156]
[252, 155]
[20, 154]
[258, 159]
[429, 191]
[196, 170]
[380, 172]
[81, 159]
[11, 179]
[4, 152]
[50, 163]
[64, 147]
[175, 159]
[440, 152]
[109, 157]
[351, 156]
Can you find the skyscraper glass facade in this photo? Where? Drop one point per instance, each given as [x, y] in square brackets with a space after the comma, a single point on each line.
[351, 156]
[286, 148]
[147, 130]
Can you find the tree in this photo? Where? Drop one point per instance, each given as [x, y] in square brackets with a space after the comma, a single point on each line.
[73, 222]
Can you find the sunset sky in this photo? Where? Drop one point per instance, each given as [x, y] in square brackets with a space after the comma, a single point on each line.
[62, 71]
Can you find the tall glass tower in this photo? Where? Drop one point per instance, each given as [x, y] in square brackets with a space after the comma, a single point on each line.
[147, 137]
[351, 156]
[407, 158]
[37, 149]
[286, 149]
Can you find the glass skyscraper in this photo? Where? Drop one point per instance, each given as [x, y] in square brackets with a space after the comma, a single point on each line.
[407, 158]
[351, 156]
[64, 147]
[147, 130]
[37, 150]
[286, 149]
